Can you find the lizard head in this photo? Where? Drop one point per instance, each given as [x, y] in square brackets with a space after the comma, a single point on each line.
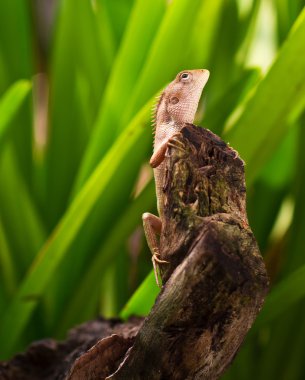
[179, 100]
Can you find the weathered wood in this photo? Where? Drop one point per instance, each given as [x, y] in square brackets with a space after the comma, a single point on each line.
[205, 179]
[78, 357]
[214, 284]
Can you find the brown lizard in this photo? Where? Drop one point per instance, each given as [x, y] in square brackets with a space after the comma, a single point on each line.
[177, 105]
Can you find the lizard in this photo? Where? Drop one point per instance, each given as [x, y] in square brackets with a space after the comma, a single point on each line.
[177, 106]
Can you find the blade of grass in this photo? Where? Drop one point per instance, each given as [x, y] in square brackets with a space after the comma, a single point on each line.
[294, 368]
[10, 104]
[263, 204]
[51, 255]
[107, 300]
[283, 334]
[271, 188]
[17, 61]
[144, 20]
[119, 13]
[228, 101]
[202, 36]
[8, 278]
[22, 223]
[263, 123]
[243, 367]
[143, 298]
[87, 291]
[287, 12]
[222, 63]
[295, 337]
[106, 34]
[19, 215]
[280, 170]
[275, 361]
[77, 53]
[164, 59]
[285, 294]
[98, 226]
[247, 31]
[17, 57]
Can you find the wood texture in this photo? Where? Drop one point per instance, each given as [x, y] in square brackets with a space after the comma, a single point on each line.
[214, 285]
[215, 282]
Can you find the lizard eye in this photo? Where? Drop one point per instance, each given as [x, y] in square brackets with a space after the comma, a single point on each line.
[185, 77]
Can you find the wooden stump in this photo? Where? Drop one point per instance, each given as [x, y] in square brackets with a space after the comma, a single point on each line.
[214, 285]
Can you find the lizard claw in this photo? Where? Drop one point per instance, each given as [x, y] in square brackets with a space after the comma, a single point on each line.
[175, 142]
[159, 261]
[235, 154]
[156, 260]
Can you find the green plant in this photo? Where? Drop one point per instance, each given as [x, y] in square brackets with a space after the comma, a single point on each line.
[75, 137]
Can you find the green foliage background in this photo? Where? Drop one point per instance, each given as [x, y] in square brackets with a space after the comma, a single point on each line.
[78, 79]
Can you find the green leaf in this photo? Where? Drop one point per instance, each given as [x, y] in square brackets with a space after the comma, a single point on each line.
[143, 299]
[118, 12]
[21, 220]
[278, 171]
[171, 41]
[10, 104]
[201, 45]
[8, 278]
[285, 294]
[287, 329]
[16, 63]
[143, 22]
[287, 12]
[16, 43]
[278, 99]
[222, 63]
[79, 70]
[87, 291]
[52, 254]
[105, 33]
[218, 112]
[263, 205]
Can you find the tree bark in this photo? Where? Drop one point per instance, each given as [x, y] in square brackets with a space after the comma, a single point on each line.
[215, 281]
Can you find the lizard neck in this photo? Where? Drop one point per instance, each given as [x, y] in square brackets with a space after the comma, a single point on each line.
[165, 131]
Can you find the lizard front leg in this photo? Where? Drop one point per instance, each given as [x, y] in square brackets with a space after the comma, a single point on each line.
[160, 153]
[152, 226]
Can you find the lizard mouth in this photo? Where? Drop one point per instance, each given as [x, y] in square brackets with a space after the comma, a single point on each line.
[205, 76]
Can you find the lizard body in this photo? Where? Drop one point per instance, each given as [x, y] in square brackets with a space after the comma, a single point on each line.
[177, 105]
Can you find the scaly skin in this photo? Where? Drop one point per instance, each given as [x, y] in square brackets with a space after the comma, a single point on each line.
[177, 105]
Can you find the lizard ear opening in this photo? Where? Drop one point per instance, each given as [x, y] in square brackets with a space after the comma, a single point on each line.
[174, 100]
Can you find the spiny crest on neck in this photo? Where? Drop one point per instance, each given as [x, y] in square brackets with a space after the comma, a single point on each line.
[154, 111]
